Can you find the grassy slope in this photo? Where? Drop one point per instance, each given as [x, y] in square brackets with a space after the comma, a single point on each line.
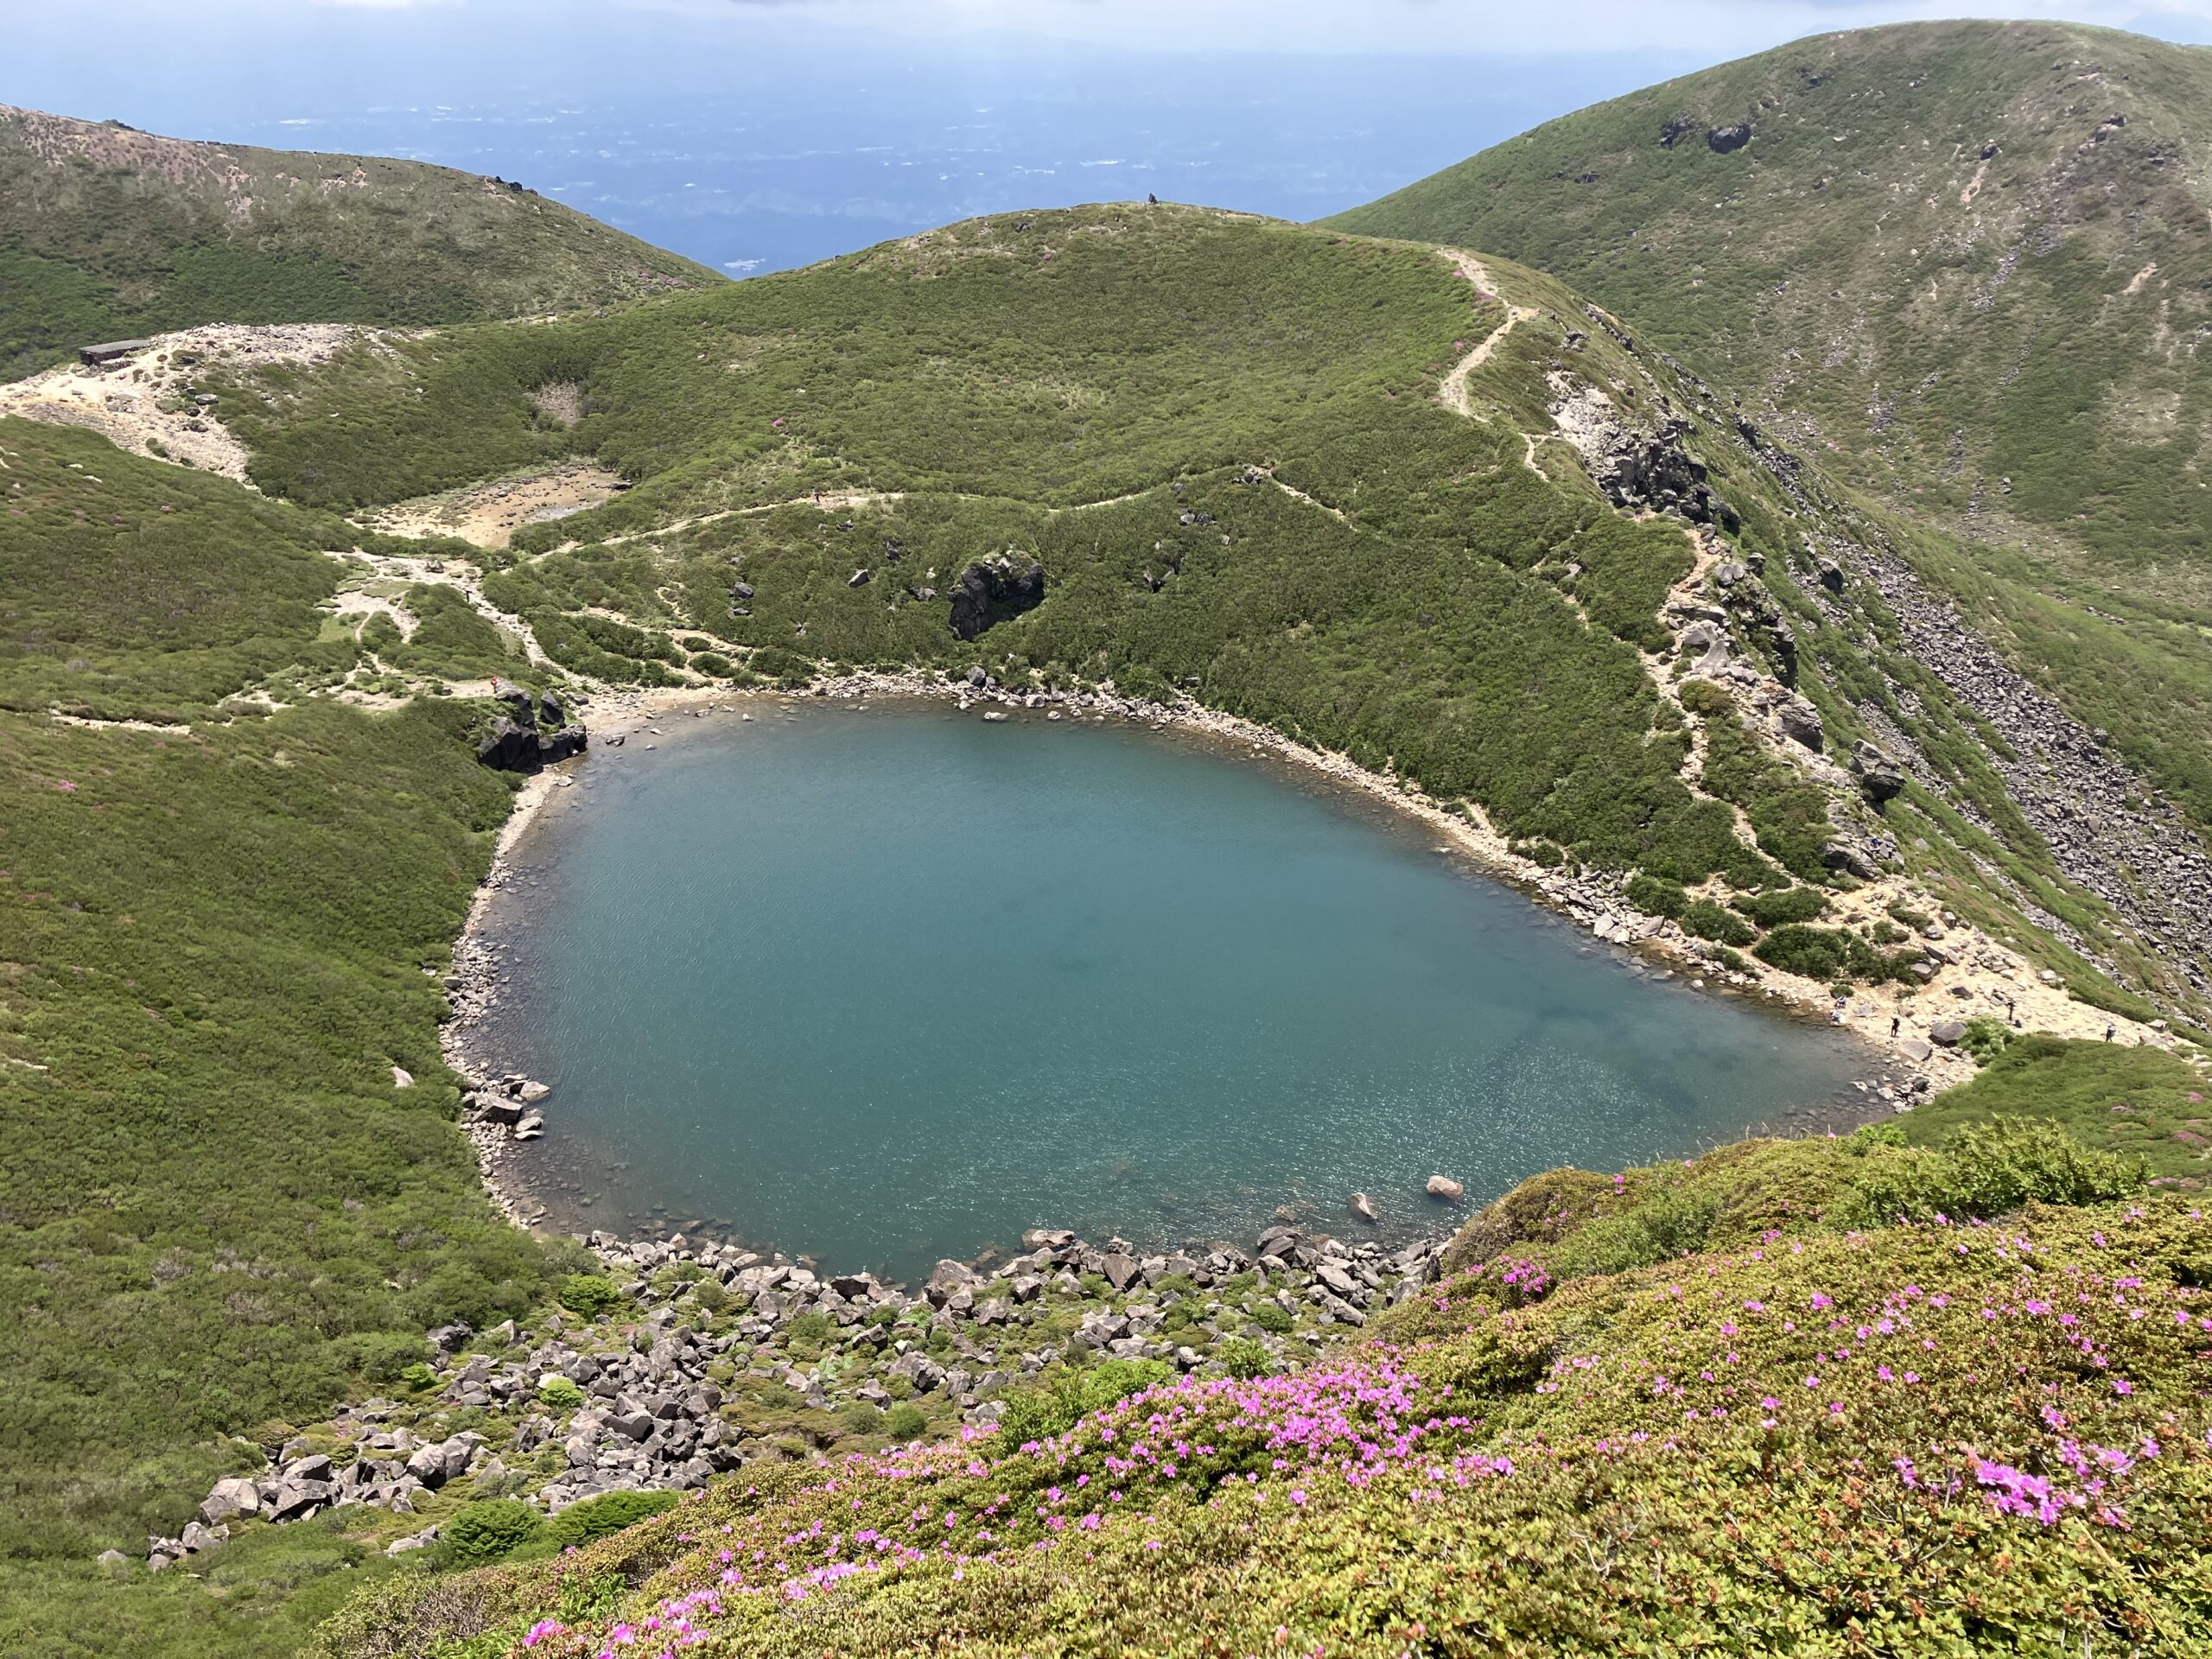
[1717, 1406]
[107, 232]
[1982, 366]
[218, 1209]
[1008, 381]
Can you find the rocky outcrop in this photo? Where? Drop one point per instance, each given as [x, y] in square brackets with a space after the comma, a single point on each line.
[643, 1409]
[1801, 723]
[1637, 466]
[2106, 827]
[990, 592]
[1723, 141]
[1880, 778]
[518, 742]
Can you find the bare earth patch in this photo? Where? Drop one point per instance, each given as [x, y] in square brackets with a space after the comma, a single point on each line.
[145, 405]
[489, 514]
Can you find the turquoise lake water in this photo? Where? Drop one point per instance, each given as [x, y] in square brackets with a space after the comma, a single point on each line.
[881, 986]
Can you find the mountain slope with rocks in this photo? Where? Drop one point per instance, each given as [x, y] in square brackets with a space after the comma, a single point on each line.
[1965, 261]
[1431, 522]
[107, 233]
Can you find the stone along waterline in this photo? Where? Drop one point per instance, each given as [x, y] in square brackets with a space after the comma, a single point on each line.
[886, 985]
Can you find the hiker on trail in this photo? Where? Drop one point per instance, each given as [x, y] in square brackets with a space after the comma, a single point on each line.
[2108, 1031]
[1894, 1023]
[1154, 199]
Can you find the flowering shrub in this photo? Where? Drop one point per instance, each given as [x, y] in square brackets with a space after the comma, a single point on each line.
[1933, 1437]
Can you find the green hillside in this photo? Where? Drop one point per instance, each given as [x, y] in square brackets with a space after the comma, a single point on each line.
[1436, 512]
[1223, 439]
[1965, 261]
[107, 232]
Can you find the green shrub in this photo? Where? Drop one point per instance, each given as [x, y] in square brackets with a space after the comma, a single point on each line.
[1661, 1226]
[1053, 1408]
[905, 1422]
[1656, 898]
[1986, 1039]
[1988, 1168]
[1707, 920]
[1243, 1358]
[419, 1375]
[602, 1517]
[1789, 904]
[560, 1393]
[1269, 1316]
[1822, 953]
[488, 1528]
[589, 1296]
[860, 1418]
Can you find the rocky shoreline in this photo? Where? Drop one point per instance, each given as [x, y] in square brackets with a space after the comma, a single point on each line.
[708, 1357]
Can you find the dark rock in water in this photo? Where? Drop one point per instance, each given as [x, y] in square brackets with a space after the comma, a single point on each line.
[1879, 776]
[1722, 140]
[990, 592]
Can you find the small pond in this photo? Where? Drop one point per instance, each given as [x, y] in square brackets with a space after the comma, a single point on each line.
[878, 986]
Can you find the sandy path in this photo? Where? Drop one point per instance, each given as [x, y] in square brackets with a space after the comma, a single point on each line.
[144, 405]
[488, 514]
[1454, 388]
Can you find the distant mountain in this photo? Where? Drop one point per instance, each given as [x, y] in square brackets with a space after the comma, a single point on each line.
[108, 230]
[1970, 261]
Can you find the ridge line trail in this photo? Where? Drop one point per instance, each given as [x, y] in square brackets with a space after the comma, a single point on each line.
[849, 500]
[1453, 391]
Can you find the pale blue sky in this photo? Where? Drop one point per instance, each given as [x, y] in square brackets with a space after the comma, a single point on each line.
[758, 134]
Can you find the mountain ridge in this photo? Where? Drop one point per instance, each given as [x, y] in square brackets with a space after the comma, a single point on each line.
[1947, 253]
[108, 230]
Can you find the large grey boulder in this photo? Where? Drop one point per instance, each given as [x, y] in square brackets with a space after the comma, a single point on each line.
[230, 1500]
[1842, 855]
[990, 592]
[1880, 778]
[513, 746]
[1801, 723]
[1947, 1034]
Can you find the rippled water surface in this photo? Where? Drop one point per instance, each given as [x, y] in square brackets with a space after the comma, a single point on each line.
[886, 985]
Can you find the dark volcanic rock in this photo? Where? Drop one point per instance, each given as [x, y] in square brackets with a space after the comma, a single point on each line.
[518, 706]
[1801, 723]
[1879, 776]
[989, 593]
[1674, 129]
[1721, 140]
[509, 746]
